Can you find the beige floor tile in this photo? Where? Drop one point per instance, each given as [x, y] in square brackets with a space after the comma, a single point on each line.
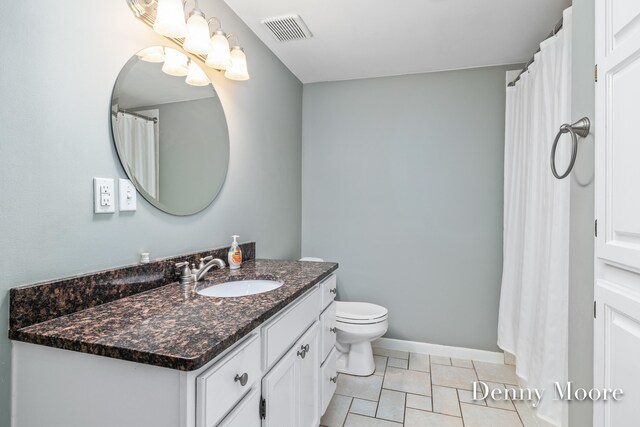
[466, 396]
[391, 406]
[381, 364]
[360, 387]
[364, 407]
[419, 362]
[452, 376]
[416, 401]
[440, 360]
[445, 400]
[336, 412]
[495, 372]
[398, 363]
[528, 416]
[408, 381]
[461, 363]
[417, 418]
[502, 402]
[390, 353]
[355, 420]
[482, 416]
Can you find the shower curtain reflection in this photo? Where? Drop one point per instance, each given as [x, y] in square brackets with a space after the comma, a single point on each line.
[139, 140]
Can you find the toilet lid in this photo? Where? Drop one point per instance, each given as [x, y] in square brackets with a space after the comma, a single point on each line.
[359, 311]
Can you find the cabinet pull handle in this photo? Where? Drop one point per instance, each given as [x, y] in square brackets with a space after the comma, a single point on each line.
[333, 290]
[334, 379]
[334, 330]
[302, 353]
[242, 379]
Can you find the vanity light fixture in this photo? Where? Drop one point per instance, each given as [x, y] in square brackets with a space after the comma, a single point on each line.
[152, 54]
[166, 17]
[169, 20]
[238, 69]
[219, 56]
[196, 77]
[197, 39]
[175, 63]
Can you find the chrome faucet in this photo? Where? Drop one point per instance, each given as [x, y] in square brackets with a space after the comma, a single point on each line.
[194, 275]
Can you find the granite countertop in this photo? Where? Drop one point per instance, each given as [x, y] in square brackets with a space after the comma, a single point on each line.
[174, 327]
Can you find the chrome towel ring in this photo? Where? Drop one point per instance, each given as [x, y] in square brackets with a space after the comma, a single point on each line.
[579, 128]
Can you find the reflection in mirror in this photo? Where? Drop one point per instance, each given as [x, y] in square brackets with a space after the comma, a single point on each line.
[170, 130]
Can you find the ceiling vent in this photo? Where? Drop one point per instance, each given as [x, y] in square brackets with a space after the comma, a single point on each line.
[287, 27]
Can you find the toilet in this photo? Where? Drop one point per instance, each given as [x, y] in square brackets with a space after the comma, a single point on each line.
[357, 325]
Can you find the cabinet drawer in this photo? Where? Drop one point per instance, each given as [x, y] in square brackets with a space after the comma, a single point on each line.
[328, 328]
[220, 387]
[329, 289]
[246, 413]
[328, 379]
[280, 334]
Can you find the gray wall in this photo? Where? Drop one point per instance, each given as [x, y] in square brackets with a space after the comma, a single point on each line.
[403, 184]
[61, 61]
[582, 216]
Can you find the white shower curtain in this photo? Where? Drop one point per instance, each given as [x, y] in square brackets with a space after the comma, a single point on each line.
[138, 140]
[533, 320]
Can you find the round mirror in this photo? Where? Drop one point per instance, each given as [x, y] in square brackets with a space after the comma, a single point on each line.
[170, 131]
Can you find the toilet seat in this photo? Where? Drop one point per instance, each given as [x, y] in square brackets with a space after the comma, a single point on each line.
[358, 313]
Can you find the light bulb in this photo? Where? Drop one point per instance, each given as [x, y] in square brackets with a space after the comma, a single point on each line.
[196, 76]
[152, 54]
[219, 56]
[170, 19]
[197, 40]
[238, 68]
[175, 63]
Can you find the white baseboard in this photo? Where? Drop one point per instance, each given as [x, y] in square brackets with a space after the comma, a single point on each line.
[440, 350]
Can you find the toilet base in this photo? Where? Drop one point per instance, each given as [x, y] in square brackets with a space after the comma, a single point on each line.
[355, 359]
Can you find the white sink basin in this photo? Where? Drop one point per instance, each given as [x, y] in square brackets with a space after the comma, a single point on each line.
[240, 288]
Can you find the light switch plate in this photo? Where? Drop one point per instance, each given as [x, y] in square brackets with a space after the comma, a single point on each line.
[103, 195]
[127, 194]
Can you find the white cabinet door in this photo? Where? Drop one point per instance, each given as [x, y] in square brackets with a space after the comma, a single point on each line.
[616, 359]
[246, 413]
[617, 261]
[616, 132]
[281, 391]
[308, 367]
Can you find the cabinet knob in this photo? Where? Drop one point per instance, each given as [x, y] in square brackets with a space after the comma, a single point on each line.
[333, 290]
[334, 330]
[302, 353]
[334, 379]
[305, 348]
[242, 379]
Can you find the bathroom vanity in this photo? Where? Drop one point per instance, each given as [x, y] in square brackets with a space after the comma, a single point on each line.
[176, 358]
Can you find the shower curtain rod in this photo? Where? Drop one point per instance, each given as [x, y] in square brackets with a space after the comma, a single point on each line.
[151, 119]
[555, 30]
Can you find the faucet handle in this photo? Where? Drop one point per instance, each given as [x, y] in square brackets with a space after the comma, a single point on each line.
[182, 268]
[203, 261]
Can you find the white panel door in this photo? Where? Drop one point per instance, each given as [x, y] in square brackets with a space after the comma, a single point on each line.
[617, 258]
[616, 131]
[281, 390]
[309, 369]
[617, 355]
[246, 413]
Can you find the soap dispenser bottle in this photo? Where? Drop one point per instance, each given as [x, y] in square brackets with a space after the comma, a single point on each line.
[235, 255]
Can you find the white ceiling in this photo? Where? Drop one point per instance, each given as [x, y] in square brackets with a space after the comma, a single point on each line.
[355, 39]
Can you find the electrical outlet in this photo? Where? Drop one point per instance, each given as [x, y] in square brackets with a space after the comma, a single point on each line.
[127, 194]
[103, 195]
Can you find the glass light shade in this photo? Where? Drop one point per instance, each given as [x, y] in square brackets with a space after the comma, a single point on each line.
[196, 76]
[170, 19]
[175, 63]
[219, 56]
[152, 54]
[238, 68]
[197, 40]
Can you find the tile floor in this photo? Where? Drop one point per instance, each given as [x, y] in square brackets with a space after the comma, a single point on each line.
[411, 389]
